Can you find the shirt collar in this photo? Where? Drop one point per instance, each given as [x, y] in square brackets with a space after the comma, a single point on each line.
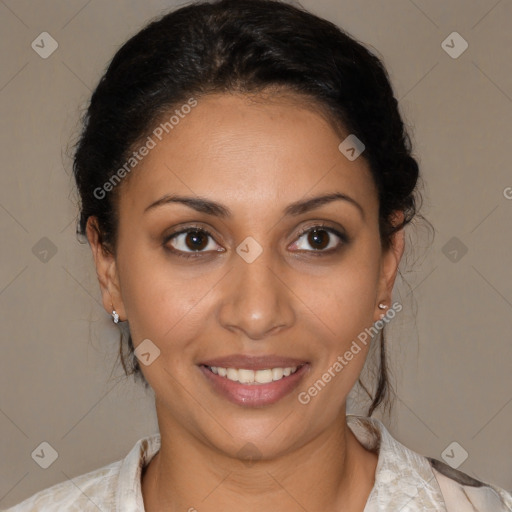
[404, 480]
[129, 491]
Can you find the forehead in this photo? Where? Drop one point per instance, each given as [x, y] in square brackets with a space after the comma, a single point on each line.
[256, 151]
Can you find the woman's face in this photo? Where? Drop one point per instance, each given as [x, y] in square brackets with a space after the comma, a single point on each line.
[253, 287]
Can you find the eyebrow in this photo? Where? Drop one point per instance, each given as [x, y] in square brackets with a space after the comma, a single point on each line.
[203, 205]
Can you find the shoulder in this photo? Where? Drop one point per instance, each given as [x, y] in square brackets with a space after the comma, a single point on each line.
[116, 486]
[462, 492]
[90, 491]
[407, 480]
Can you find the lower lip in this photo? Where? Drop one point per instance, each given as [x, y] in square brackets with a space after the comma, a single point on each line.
[254, 395]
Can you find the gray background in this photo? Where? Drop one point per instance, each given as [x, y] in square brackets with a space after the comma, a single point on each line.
[450, 347]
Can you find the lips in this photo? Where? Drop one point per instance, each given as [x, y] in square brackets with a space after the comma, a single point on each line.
[253, 362]
[254, 395]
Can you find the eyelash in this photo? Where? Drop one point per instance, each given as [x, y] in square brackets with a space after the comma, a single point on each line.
[197, 229]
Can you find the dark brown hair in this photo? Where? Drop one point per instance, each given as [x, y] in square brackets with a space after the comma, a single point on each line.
[243, 46]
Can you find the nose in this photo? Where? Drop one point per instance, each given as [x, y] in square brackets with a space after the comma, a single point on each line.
[256, 299]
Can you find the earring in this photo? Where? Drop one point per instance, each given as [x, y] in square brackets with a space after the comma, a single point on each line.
[382, 306]
[115, 316]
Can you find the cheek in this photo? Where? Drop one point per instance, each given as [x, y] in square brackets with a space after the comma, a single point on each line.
[162, 305]
[339, 314]
[156, 295]
[342, 303]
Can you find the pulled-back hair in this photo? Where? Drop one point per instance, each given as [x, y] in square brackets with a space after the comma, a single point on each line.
[245, 46]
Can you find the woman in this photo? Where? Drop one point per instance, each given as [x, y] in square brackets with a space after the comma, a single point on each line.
[245, 180]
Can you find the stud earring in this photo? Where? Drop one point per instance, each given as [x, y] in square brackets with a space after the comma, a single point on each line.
[115, 315]
[382, 306]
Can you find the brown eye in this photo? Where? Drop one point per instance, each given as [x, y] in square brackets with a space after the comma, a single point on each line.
[195, 240]
[318, 238]
[321, 239]
[189, 241]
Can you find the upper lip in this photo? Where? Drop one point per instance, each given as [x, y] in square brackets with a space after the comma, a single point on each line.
[253, 362]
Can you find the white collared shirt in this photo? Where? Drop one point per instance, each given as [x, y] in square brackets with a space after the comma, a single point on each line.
[404, 481]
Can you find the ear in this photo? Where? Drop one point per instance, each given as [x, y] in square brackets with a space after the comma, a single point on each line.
[106, 270]
[389, 267]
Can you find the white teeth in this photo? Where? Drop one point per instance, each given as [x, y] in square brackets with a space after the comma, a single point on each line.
[232, 374]
[251, 376]
[277, 373]
[244, 376]
[263, 376]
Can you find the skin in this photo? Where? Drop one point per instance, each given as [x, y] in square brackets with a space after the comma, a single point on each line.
[255, 157]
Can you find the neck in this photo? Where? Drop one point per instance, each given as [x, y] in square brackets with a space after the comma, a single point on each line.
[332, 471]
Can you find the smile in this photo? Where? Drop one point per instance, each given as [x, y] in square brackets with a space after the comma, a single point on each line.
[253, 376]
[254, 388]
